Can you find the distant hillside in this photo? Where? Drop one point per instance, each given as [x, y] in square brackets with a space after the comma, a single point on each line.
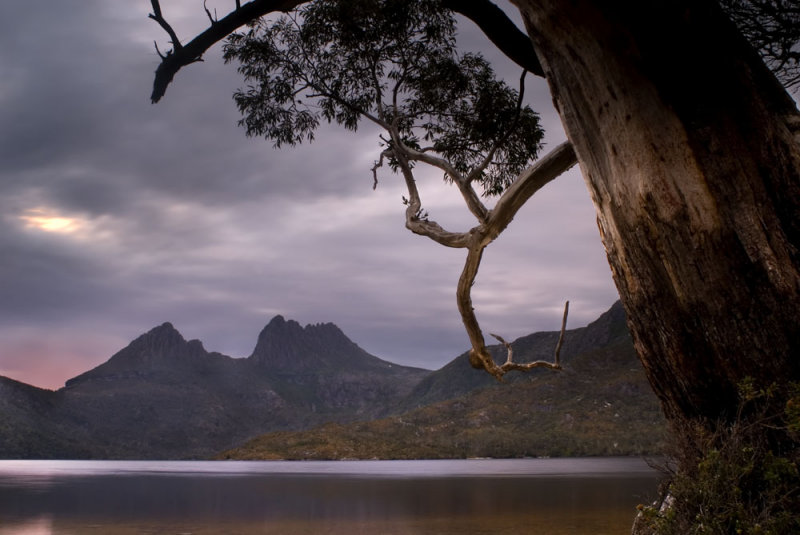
[164, 397]
[458, 378]
[600, 404]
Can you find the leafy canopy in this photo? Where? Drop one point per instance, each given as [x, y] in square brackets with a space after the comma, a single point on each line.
[395, 64]
[773, 28]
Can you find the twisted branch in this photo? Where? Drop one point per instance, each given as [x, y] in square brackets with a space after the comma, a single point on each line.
[509, 364]
[478, 238]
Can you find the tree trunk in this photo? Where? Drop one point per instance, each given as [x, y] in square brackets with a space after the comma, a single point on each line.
[690, 151]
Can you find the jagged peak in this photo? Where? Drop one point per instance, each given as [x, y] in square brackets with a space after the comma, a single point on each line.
[161, 342]
[164, 334]
[285, 344]
[279, 324]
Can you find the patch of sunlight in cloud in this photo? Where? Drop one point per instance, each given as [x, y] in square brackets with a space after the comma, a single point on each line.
[50, 221]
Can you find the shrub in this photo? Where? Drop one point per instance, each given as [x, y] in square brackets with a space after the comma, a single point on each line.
[734, 478]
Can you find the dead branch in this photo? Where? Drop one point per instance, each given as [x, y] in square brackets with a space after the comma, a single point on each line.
[159, 18]
[557, 355]
[509, 364]
[193, 51]
[211, 18]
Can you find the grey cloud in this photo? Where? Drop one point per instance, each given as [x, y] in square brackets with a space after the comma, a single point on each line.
[187, 220]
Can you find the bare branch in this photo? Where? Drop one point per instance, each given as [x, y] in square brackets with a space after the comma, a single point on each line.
[208, 13]
[546, 169]
[159, 18]
[509, 349]
[509, 364]
[193, 51]
[470, 197]
[423, 227]
[162, 56]
[557, 355]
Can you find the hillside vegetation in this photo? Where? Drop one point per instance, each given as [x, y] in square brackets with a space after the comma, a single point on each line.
[600, 404]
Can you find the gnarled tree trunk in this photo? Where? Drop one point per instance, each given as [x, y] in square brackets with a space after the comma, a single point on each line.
[689, 147]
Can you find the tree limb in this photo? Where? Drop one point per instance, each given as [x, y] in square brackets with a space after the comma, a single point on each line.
[547, 168]
[500, 30]
[478, 238]
[159, 18]
[543, 171]
[509, 364]
[193, 51]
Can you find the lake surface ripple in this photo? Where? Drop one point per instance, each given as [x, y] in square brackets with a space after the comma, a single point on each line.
[547, 496]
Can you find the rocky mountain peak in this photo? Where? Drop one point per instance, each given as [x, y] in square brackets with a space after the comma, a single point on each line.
[286, 345]
[160, 347]
[163, 341]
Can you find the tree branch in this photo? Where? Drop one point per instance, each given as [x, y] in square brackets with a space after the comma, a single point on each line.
[423, 227]
[543, 171]
[547, 168]
[509, 364]
[470, 197]
[500, 30]
[159, 18]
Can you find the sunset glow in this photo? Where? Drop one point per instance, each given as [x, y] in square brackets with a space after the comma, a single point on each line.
[41, 219]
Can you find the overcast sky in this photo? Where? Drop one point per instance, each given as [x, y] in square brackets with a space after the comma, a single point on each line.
[117, 215]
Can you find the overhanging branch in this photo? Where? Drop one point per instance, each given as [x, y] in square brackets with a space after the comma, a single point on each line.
[193, 51]
[500, 30]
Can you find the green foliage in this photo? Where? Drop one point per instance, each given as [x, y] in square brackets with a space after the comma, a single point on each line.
[394, 63]
[737, 478]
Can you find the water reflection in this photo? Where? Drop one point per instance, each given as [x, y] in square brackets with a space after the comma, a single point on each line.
[313, 498]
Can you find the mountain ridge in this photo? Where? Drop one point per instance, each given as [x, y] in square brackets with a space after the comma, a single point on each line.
[163, 397]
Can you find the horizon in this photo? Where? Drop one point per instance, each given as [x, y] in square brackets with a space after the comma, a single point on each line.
[287, 320]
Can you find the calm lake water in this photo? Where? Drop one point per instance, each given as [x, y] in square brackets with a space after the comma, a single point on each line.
[547, 496]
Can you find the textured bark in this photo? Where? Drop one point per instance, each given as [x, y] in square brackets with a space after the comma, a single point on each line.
[688, 146]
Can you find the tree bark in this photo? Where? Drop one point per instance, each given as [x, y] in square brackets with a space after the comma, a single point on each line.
[689, 148]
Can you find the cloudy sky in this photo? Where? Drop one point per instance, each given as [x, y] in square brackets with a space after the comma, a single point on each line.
[117, 215]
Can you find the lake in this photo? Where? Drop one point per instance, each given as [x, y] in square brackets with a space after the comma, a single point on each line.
[548, 496]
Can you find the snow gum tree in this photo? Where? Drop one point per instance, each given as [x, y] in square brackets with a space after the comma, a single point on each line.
[690, 149]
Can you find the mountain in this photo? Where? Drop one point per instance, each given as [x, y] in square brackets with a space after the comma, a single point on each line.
[599, 404]
[311, 392]
[165, 397]
[320, 368]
